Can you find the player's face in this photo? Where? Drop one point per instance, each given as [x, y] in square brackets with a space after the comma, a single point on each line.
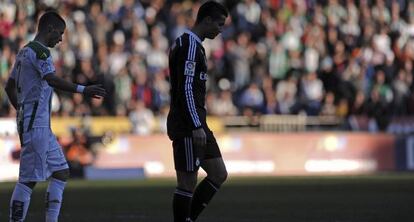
[215, 26]
[55, 35]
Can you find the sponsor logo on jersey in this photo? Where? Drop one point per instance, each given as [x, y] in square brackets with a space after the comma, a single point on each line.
[203, 76]
[189, 68]
[43, 55]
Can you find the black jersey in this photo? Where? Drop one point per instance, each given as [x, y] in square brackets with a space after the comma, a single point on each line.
[188, 75]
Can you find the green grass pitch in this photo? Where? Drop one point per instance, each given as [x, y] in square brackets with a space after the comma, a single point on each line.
[385, 197]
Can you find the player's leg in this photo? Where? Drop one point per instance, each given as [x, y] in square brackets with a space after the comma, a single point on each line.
[59, 171]
[54, 194]
[32, 161]
[216, 175]
[216, 170]
[186, 171]
[183, 194]
[20, 200]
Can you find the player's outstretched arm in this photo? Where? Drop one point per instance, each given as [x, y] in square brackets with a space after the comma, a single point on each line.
[95, 91]
[11, 92]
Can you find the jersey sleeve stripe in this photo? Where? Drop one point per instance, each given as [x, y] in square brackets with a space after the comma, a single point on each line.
[190, 47]
[188, 85]
[190, 100]
[194, 49]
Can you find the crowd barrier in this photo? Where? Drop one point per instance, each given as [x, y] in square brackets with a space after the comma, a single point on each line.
[254, 153]
[97, 125]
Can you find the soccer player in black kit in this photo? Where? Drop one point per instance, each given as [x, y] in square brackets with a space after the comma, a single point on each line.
[193, 143]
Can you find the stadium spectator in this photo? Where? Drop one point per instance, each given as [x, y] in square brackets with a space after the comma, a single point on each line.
[286, 95]
[329, 108]
[312, 92]
[77, 152]
[401, 90]
[223, 105]
[124, 45]
[252, 97]
[142, 119]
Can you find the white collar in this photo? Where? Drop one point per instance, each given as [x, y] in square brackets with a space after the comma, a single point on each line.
[194, 36]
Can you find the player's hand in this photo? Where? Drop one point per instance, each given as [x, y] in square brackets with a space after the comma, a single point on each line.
[199, 137]
[95, 91]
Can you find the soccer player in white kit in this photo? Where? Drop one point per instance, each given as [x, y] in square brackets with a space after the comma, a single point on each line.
[29, 89]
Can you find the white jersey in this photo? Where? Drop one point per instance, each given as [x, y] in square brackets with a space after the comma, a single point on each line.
[34, 95]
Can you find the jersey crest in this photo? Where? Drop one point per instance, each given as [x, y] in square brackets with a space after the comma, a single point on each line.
[46, 67]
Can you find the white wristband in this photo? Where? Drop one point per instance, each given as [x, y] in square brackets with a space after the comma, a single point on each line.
[80, 88]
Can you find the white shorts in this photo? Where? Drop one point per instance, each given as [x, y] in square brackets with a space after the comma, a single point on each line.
[41, 155]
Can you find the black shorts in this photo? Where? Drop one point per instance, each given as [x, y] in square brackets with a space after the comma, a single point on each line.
[188, 157]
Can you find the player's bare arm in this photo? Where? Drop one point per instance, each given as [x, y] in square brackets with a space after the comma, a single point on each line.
[11, 92]
[95, 91]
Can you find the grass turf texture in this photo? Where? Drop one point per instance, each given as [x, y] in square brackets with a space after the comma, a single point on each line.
[376, 198]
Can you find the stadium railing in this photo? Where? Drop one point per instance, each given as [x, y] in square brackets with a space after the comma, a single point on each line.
[122, 125]
[283, 123]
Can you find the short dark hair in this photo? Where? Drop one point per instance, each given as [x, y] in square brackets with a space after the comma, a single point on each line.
[50, 18]
[212, 9]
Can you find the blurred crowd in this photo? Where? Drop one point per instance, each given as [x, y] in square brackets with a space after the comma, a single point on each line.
[340, 58]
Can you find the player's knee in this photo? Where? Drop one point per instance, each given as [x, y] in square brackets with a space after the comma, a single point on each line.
[31, 185]
[62, 175]
[188, 184]
[219, 177]
[222, 176]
